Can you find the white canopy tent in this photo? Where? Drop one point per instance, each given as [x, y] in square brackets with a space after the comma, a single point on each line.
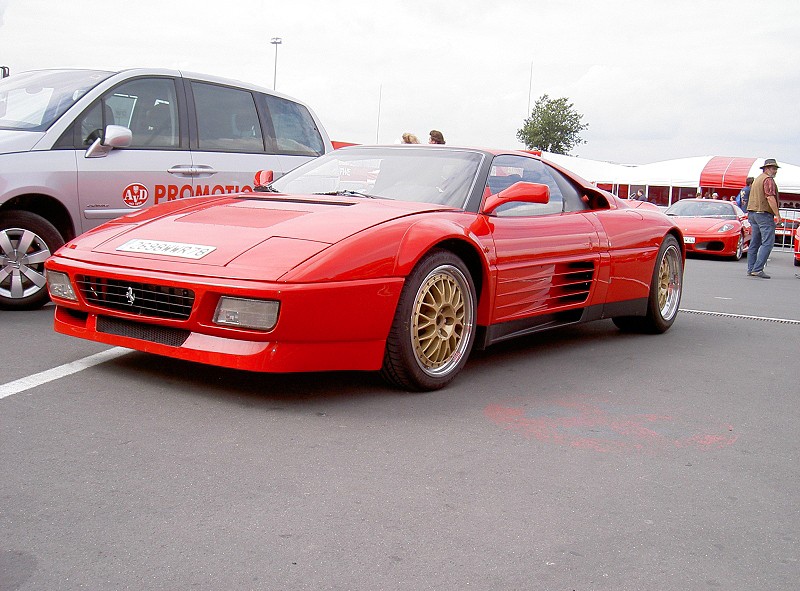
[682, 173]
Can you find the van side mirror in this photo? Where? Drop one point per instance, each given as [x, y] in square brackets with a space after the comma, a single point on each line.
[520, 192]
[115, 136]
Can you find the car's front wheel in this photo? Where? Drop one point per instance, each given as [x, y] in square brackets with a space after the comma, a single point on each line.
[434, 325]
[739, 248]
[666, 287]
[26, 242]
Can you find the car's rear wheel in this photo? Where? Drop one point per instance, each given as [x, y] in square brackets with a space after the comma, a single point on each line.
[26, 242]
[666, 287]
[434, 325]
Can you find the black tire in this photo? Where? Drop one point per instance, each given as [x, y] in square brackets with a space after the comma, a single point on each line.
[434, 326]
[739, 249]
[22, 282]
[666, 287]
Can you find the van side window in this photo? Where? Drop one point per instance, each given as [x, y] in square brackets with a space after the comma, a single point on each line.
[91, 125]
[146, 106]
[295, 130]
[149, 108]
[227, 119]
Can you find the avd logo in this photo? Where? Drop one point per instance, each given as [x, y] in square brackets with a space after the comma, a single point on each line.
[135, 195]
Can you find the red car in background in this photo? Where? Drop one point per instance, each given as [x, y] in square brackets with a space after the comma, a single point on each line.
[712, 227]
[785, 230]
[396, 259]
[797, 246]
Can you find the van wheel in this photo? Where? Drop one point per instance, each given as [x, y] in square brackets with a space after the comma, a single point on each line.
[26, 242]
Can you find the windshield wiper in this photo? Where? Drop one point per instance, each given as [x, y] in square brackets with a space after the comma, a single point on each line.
[348, 193]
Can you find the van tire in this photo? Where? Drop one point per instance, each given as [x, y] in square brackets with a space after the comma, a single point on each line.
[22, 279]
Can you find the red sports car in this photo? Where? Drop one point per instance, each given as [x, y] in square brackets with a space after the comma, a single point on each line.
[712, 227]
[399, 259]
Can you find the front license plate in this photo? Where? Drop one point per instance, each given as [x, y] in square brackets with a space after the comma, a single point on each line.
[170, 249]
[688, 239]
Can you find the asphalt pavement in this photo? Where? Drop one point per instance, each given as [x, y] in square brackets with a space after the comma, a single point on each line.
[578, 459]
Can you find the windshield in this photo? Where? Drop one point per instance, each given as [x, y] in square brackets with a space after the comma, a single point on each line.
[32, 101]
[704, 208]
[421, 174]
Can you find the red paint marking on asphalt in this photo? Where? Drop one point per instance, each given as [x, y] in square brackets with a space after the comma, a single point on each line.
[601, 428]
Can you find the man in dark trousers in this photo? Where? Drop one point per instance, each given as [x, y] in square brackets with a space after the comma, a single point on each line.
[763, 213]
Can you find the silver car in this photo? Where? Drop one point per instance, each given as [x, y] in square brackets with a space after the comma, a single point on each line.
[79, 147]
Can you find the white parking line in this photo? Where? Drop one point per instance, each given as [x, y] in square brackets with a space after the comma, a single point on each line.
[741, 316]
[61, 371]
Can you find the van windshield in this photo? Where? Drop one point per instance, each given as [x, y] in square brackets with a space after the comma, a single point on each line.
[33, 101]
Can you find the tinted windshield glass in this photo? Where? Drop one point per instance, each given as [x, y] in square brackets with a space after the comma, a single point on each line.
[705, 208]
[423, 174]
[32, 101]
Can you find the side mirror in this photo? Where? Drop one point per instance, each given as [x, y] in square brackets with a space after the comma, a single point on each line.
[115, 136]
[520, 192]
[262, 181]
[262, 178]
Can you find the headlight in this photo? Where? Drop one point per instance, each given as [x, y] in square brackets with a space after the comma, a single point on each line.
[726, 228]
[59, 286]
[242, 313]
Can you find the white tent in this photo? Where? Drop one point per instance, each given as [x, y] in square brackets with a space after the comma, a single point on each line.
[695, 172]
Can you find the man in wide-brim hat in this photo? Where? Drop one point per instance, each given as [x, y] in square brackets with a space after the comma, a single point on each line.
[763, 213]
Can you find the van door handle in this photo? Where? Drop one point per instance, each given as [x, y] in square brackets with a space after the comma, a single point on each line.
[191, 170]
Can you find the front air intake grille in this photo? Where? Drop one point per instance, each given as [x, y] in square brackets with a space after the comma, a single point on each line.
[164, 335]
[143, 299]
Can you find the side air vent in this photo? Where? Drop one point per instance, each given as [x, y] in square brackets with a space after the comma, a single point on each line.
[572, 282]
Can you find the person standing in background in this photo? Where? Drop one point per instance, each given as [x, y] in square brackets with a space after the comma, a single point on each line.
[763, 213]
[744, 194]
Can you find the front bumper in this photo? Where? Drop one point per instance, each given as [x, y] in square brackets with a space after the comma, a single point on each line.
[339, 325]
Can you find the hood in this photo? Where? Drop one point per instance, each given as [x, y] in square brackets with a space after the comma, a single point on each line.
[269, 233]
[696, 224]
[18, 141]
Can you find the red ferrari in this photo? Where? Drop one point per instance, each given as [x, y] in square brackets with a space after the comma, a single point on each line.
[712, 227]
[797, 246]
[400, 259]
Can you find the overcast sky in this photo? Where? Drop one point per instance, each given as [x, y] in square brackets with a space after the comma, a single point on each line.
[654, 80]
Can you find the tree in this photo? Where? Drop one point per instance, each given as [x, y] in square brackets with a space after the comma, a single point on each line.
[554, 126]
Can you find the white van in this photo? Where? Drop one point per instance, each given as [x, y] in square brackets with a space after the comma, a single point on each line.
[79, 147]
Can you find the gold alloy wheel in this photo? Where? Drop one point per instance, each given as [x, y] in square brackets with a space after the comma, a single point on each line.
[442, 320]
[669, 282]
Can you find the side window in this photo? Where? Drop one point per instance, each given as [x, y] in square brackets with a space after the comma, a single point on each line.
[227, 119]
[295, 130]
[146, 106]
[573, 198]
[149, 108]
[91, 125]
[507, 170]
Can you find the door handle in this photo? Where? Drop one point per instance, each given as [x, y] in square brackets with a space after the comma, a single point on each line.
[191, 170]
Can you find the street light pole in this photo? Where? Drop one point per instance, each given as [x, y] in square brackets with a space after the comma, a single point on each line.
[275, 41]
